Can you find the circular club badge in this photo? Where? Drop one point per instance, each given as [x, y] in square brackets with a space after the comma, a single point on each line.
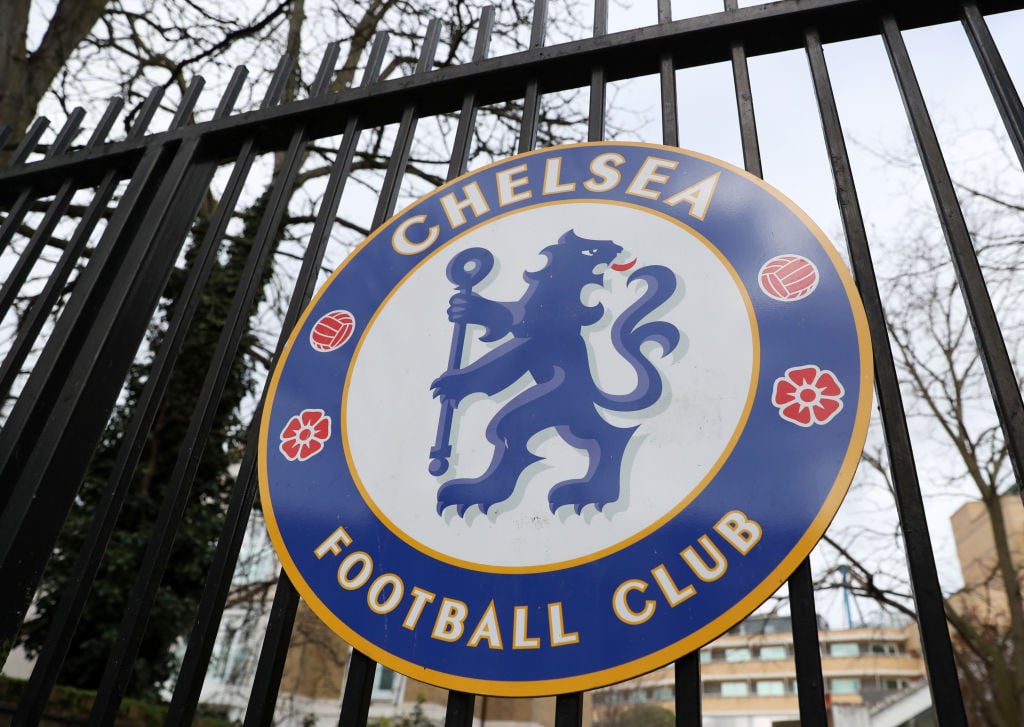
[565, 419]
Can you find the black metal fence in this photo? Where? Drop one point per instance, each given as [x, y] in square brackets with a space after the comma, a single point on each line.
[62, 403]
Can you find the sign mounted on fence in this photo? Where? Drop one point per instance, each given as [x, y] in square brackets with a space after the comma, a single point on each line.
[565, 419]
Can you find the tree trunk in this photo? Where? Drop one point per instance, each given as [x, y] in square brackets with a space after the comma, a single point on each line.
[25, 76]
[13, 67]
[1011, 585]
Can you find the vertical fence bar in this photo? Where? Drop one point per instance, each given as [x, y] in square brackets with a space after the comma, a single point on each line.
[811, 695]
[12, 221]
[467, 117]
[942, 679]
[459, 710]
[745, 106]
[806, 650]
[598, 88]
[28, 144]
[146, 113]
[67, 133]
[667, 79]
[568, 707]
[569, 710]
[355, 703]
[531, 98]
[996, 75]
[460, 706]
[399, 158]
[267, 682]
[686, 671]
[687, 690]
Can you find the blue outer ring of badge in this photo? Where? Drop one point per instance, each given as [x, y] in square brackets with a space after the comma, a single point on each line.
[788, 479]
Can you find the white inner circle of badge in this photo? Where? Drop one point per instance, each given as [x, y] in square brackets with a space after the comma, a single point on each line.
[565, 419]
[522, 529]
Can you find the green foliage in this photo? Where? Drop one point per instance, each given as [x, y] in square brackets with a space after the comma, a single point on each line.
[415, 718]
[197, 536]
[207, 35]
[75, 704]
[638, 715]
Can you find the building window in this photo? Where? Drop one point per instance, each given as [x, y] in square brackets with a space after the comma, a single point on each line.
[385, 685]
[893, 684]
[239, 664]
[845, 686]
[735, 689]
[772, 688]
[616, 697]
[663, 694]
[705, 656]
[885, 649]
[844, 649]
[231, 658]
[772, 653]
[777, 625]
[741, 654]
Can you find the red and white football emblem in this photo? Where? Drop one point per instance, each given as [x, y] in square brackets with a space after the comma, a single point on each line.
[332, 330]
[788, 277]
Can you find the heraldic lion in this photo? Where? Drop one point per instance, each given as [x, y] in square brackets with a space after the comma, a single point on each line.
[547, 341]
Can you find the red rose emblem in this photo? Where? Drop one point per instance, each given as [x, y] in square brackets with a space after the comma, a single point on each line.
[807, 395]
[304, 434]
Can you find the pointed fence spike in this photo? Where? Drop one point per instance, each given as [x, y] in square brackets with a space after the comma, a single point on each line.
[278, 81]
[146, 113]
[67, 133]
[230, 96]
[188, 102]
[371, 74]
[326, 70]
[99, 134]
[28, 144]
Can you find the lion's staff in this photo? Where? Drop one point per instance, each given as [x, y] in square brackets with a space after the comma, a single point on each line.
[465, 270]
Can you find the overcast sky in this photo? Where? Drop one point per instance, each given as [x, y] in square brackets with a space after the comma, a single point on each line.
[793, 151]
[874, 123]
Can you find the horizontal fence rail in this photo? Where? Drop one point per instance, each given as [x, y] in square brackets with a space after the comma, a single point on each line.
[698, 41]
[87, 325]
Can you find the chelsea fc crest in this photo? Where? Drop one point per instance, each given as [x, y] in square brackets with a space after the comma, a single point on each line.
[565, 419]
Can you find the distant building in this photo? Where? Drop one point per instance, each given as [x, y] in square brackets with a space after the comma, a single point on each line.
[317, 663]
[748, 676]
[314, 676]
[983, 597]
